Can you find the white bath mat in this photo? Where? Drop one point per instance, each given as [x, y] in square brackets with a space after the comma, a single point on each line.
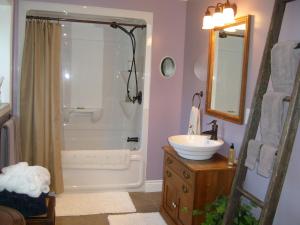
[137, 219]
[75, 204]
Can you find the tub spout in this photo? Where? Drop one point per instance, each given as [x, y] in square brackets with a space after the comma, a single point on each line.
[132, 139]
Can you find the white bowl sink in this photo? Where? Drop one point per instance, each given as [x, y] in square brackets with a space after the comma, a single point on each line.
[195, 147]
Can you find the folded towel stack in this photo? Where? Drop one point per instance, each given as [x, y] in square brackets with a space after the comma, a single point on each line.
[24, 179]
[26, 205]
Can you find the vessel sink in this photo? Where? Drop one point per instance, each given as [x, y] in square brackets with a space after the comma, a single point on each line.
[195, 147]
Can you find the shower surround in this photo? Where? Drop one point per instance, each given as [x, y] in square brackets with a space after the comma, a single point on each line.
[97, 116]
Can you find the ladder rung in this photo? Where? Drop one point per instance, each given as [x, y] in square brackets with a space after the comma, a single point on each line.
[251, 197]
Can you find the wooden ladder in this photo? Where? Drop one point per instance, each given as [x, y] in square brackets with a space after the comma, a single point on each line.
[269, 205]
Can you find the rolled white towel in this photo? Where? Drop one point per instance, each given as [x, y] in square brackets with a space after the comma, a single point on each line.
[19, 167]
[24, 179]
[9, 177]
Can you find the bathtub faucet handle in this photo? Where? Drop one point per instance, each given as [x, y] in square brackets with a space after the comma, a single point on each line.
[132, 139]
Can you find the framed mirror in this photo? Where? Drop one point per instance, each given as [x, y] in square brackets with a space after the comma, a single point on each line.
[227, 70]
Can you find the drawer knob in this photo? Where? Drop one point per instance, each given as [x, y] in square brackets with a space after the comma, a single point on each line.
[186, 175]
[184, 189]
[174, 205]
[169, 174]
[169, 161]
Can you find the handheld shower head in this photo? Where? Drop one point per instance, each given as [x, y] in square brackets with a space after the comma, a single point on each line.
[138, 95]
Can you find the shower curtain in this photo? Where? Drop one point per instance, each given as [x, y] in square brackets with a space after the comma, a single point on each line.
[40, 100]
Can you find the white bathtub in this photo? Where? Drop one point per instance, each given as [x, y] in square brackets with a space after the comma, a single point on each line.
[88, 170]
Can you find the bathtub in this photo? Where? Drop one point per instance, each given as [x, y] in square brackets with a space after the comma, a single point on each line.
[88, 170]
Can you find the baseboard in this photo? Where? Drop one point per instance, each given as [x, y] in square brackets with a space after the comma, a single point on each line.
[153, 185]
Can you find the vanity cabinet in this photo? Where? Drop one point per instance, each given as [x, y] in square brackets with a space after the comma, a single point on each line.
[190, 184]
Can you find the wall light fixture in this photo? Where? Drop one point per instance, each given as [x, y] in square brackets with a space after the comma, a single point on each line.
[223, 14]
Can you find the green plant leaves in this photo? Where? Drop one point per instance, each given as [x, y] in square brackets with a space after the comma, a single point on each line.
[215, 211]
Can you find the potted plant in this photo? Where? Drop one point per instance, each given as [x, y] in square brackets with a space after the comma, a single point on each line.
[214, 213]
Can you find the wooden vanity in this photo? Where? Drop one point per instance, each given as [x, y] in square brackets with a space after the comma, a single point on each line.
[190, 184]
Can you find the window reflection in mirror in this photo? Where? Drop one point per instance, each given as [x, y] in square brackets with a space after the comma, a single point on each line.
[228, 70]
[6, 26]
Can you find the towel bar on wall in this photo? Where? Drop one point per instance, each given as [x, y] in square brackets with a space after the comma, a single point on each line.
[200, 95]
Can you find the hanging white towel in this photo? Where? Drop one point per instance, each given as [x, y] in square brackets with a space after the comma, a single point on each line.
[266, 160]
[271, 121]
[252, 153]
[284, 63]
[195, 122]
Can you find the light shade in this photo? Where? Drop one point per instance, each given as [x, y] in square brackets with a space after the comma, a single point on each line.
[230, 29]
[228, 15]
[207, 23]
[241, 27]
[218, 19]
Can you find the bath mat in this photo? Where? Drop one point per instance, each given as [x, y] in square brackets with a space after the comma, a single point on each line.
[137, 219]
[75, 204]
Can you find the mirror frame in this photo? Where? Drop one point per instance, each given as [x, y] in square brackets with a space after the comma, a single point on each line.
[239, 119]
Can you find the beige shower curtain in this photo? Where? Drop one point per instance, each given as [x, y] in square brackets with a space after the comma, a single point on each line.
[40, 104]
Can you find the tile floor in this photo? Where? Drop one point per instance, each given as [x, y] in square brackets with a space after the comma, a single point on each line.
[144, 202]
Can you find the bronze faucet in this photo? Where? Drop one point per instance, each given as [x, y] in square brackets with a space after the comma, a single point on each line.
[214, 131]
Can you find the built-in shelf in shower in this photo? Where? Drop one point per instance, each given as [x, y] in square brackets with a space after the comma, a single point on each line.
[95, 113]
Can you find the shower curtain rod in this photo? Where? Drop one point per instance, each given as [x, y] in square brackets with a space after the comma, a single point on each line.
[83, 21]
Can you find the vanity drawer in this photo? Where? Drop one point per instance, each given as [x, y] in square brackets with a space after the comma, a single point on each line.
[183, 172]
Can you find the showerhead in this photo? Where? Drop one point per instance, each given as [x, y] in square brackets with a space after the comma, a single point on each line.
[114, 25]
[222, 34]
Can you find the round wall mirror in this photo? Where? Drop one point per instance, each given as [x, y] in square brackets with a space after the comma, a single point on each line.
[168, 67]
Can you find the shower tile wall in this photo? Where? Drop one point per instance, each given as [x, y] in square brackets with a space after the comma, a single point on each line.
[95, 63]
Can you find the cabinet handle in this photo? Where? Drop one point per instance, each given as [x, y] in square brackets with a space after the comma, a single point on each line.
[184, 189]
[169, 161]
[174, 205]
[169, 174]
[186, 175]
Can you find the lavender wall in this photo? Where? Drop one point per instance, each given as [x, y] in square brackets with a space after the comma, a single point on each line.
[165, 99]
[197, 46]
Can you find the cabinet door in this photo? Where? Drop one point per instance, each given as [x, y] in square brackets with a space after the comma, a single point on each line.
[185, 211]
[170, 196]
